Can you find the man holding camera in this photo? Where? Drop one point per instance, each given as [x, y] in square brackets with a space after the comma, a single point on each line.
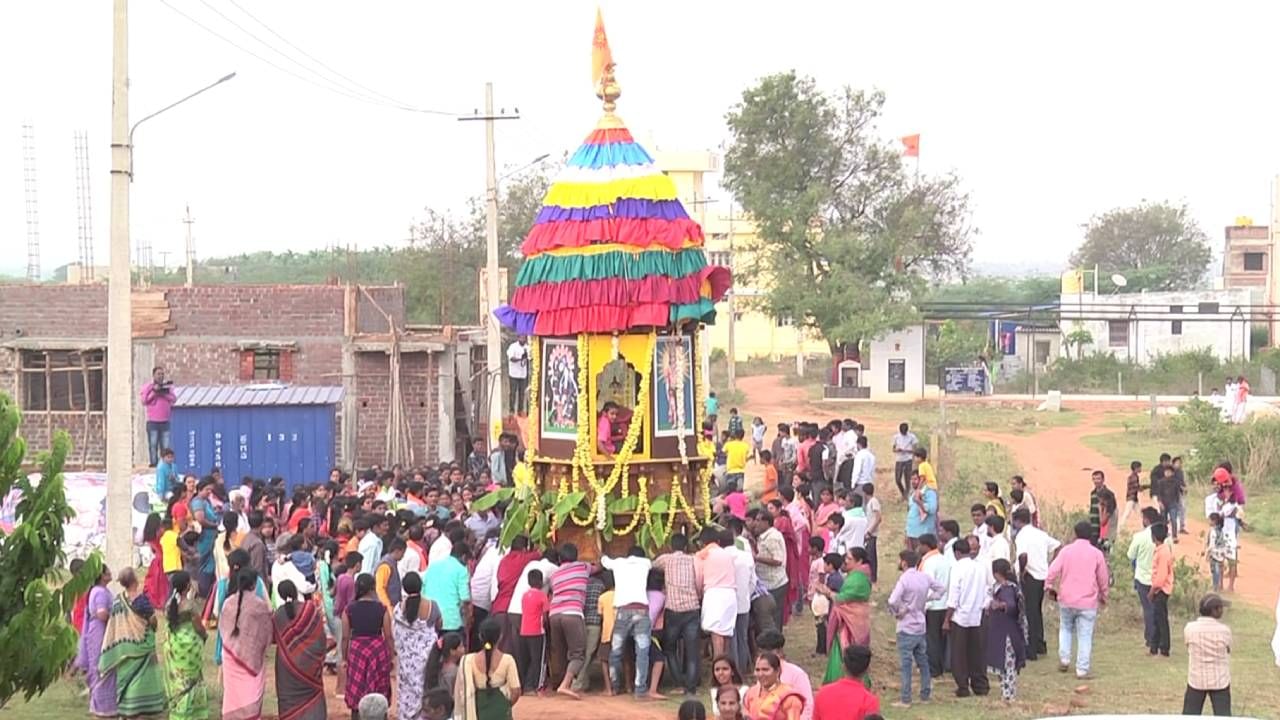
[158, 399]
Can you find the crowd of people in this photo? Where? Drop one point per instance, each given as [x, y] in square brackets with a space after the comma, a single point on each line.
[396, 578]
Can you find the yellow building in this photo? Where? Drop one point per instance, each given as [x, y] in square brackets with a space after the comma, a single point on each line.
[730, 241]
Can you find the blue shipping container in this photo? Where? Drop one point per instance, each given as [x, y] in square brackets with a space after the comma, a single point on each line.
[256, 431]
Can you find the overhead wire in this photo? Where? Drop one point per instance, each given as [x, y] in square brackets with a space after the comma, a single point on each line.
[323, 64]
[333, 87]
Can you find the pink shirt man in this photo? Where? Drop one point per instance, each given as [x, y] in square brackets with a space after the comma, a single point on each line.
[798, 679]
[1079, 574]
[159, 404]
[713, 567]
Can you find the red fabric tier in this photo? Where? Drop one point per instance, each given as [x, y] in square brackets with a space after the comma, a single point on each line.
[637, 232]
[571, 321]
[603, 136]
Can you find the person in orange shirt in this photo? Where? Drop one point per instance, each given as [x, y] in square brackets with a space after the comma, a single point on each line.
[770, 477]
[1161, 588]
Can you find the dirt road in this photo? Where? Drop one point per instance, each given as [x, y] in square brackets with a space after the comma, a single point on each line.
[1057, 466]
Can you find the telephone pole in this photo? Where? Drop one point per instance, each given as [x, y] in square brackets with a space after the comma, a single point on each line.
[119, 310]
[191, 249]
[493, 345]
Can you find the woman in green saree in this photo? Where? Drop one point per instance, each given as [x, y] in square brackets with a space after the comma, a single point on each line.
[850, 622]
[129, 650]
[184, 653]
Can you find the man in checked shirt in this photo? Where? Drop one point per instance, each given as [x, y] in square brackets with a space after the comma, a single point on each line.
[683, 615]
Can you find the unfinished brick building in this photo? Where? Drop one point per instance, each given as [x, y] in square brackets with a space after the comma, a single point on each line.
[53, 356]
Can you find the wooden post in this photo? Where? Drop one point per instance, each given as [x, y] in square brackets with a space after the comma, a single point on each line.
[84, 439]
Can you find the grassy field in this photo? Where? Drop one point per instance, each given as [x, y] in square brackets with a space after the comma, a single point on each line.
[1123, 447]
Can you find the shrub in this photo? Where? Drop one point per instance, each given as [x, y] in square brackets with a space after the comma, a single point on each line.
[1253, 450]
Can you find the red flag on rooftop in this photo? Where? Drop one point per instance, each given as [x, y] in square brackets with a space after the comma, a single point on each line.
[911, 145]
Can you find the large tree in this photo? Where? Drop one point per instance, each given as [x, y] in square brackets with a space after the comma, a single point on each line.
[36, 641]
[1157, 246]
[849, 238]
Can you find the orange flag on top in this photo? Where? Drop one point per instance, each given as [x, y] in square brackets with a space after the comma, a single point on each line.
[601, 56]
[911, 145]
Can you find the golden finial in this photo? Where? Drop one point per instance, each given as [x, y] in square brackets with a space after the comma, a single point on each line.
[609, 91]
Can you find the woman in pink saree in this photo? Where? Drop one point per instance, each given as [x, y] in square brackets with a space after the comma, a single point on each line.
[246, 628]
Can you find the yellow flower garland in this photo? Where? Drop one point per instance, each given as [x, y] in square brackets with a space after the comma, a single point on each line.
[535, 412]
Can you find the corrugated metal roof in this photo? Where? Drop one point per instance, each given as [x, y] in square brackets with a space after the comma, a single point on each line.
[254, 395]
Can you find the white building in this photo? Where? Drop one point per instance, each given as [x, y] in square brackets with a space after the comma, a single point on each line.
[1143, 326]
[895, 371]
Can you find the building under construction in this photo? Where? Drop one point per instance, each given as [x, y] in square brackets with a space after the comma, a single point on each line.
[400, 393]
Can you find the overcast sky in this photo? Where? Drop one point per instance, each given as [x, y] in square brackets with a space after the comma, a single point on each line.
[1049, 111]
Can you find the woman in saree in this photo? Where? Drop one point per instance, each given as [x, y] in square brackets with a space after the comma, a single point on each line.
[1006, 629]
[300, 650]
[156, 586]
[246, 631]
[184, 653]
[850, 619]
[226, 542]
[415, 624]
[102, 688]
[129, 651]
[226, 587]
[206, 516]
[795, 531]
[488, 683]
[770, 698]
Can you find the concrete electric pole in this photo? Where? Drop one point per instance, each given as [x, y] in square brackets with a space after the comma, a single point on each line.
[119, 312]
[191, 249]
[492, 289]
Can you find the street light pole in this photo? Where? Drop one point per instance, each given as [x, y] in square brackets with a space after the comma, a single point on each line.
[119, 416]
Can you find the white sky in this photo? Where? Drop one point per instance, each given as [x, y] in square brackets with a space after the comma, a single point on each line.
[1049, 111]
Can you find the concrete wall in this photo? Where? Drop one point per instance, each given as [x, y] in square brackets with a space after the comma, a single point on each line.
[1154, 332]
[210, 327]
[907, 346]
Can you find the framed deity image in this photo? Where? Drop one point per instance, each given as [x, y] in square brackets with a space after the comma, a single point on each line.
[558, 395]
[673, 360]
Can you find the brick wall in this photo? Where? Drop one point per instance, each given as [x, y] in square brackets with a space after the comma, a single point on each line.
[204, 347]
[418, 386]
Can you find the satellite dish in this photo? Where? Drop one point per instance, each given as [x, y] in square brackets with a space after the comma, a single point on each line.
[1119, 280]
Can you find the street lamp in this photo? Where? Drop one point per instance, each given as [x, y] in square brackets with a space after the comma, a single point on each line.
[119, 415]
[170, 106]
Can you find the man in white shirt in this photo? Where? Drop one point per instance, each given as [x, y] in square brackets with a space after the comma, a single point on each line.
[482, 579]
[904, 444]
[998, 548]
[631, 608]
[518, 373]
[871, 504]
[846, 444]
[771, 558]
[849, 531]
[443, 546]
[936, 565]
[978, 538]
[967, 597]
[744, 580]
[1035, 548]
[864, 465]
[547, 564]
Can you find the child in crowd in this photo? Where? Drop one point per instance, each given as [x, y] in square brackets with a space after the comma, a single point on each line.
[1220, 547]
[735, 422]
[533, 609]
[757, 437]
[770, 492]
[734, 500]
[607, 617]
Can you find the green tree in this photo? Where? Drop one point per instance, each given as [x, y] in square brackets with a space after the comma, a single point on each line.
[36, 641]
[848, 238]
[1156, 246]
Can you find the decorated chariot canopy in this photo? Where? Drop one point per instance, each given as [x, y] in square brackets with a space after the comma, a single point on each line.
[613, 248]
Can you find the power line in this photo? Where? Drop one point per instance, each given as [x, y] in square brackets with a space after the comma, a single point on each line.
[336, 90]
[322, 63]
[282, 53]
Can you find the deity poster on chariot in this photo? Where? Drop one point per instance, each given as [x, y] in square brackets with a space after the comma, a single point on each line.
[673, 387]
[559, 392]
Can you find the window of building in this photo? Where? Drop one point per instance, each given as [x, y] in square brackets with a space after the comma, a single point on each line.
[1118, 333]
[1042, 352]
[63, 380]
[723, 258]
[1175, 327]
[1254, 261]
[785, 321]
[266, 364]
[1207, 308]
